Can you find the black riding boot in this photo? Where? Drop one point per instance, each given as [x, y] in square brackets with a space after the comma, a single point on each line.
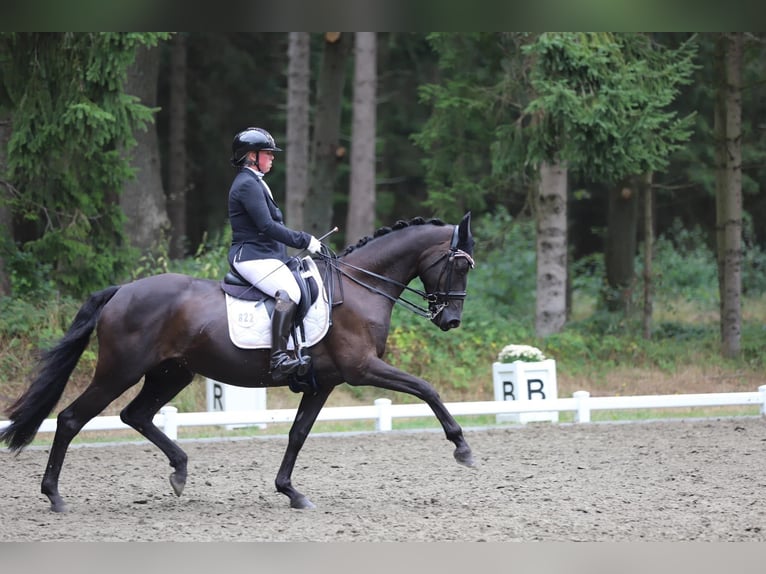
[282, 364]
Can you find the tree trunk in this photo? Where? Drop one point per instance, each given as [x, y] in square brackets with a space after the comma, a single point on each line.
[622, 227]
[719, 144]
[731, 318]
[143, 198]
[648, 195]
[177, 185]
[361, 206]
[6, 216]
[326, 149]
[297, 153]
[551, 214]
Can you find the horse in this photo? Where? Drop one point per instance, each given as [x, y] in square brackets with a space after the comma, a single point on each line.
[165, 328]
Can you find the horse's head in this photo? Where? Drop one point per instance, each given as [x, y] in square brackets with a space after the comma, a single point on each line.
[445, 277]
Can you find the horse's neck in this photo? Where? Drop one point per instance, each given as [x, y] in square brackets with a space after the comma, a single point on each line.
[396, 255]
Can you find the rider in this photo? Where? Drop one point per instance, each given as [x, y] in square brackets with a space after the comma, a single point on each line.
[260, 239]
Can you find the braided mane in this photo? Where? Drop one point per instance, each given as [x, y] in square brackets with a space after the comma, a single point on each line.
[401, 224]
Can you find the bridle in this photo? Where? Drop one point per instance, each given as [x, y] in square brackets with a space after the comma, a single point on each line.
[436, 301]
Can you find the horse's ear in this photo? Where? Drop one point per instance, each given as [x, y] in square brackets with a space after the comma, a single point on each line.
[464, 229]
[465, 240]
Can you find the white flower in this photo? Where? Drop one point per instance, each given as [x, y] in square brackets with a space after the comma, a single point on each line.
[526, 353]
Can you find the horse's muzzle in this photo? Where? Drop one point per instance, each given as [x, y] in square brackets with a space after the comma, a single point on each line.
[450, 324]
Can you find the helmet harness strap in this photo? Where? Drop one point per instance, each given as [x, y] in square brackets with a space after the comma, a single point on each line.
[248, 162]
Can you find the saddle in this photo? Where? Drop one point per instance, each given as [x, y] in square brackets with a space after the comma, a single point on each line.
[236, 286]
[249, 313]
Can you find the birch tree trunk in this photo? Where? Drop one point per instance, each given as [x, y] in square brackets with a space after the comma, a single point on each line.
[143, 198]
[361, 206]
[731, 317]
[177, 186]
[551, 214]
[326, 149]
[297, 152]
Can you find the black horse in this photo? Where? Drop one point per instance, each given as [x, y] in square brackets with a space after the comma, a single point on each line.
[166, 328]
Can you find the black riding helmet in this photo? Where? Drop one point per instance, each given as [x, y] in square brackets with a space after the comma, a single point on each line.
[251, 139]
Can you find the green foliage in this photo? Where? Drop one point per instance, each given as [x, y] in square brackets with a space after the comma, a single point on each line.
[505, 102]
[208, 262]
[507, 275]
[474, 97]
[72, 124]
[28, 277]
[42, 321]
[458, 359]
[601, 102]
[26, 328]
[753, 262]
[685, 267]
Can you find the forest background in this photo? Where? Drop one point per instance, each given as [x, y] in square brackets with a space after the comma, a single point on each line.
[574, 152]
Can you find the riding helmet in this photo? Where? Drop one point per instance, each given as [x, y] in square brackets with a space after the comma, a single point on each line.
[251, 139]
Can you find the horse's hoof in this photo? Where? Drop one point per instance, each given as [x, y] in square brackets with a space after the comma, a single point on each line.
[177, 483]
[464, 456]
[302, 503]
[58, 505]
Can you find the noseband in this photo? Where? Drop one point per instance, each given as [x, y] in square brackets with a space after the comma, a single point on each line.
[437, 301]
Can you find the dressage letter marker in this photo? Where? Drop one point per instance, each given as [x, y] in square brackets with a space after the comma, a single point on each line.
[222, 397]
[520, 381]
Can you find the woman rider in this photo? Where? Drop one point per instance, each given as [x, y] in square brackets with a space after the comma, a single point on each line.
[260, 239]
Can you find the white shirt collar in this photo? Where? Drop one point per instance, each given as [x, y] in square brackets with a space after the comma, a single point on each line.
[260, 174]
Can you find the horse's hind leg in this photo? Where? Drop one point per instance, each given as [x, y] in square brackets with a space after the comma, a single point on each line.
[161, 384]
[102, 391]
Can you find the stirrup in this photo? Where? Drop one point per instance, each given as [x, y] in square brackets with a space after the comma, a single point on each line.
[282, 366]
[304, 366]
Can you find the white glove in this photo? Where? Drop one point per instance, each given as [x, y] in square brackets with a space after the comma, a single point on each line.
[314, 245]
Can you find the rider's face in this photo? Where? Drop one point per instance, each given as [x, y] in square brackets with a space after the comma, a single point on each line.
[265, 159]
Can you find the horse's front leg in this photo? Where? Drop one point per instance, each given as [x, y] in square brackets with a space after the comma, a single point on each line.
[308, 410]
[382, 375]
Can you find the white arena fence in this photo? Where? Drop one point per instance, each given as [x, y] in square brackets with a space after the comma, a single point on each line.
[383, 411]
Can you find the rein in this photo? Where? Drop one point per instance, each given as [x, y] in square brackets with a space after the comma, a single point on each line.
[437, 300]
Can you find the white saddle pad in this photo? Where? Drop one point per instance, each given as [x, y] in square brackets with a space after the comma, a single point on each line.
[250, 324]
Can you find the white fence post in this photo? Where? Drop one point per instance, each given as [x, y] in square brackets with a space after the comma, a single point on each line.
[170, 424]
[762, 390]
[383, 422]
[582, 415]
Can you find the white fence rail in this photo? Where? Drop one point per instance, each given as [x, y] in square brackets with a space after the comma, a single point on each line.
[383, 411]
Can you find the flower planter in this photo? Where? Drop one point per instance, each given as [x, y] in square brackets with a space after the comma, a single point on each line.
[526, 381]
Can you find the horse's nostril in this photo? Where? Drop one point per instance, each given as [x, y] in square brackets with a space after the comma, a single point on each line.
[454, 324]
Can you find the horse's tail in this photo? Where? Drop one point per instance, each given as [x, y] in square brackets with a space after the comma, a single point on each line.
[54, 368]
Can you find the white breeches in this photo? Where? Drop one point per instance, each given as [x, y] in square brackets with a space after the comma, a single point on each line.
[270, 276]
